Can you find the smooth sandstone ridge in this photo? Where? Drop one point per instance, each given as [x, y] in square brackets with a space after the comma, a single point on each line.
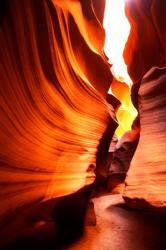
[145, 182]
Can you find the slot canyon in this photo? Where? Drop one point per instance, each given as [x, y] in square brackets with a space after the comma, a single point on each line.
[83, 124]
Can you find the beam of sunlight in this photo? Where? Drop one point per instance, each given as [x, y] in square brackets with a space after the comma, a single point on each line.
[117, 30]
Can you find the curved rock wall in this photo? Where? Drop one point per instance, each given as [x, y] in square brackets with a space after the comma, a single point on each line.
[51, 116]
[146, 45]
[53, 82]
[145, 49]
[145, 182]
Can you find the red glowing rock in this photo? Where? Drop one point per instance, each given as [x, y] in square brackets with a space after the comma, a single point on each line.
[145, 182]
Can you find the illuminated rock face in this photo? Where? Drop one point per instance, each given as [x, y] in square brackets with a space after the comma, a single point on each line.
[53, 84]
[145, 182]
[145, 48]
[52, 116]
[146, 45]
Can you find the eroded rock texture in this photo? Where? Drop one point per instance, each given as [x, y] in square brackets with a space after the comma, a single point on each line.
[145, 182]
[146, 45]
[53, 80]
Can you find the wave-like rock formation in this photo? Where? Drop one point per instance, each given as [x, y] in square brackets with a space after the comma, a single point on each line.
[145, 48]
[53, 80]
[146, 45]
[145, 182]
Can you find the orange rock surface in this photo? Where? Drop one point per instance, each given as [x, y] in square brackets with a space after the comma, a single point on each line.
[51, 115]
[54, 78]
[145, 182]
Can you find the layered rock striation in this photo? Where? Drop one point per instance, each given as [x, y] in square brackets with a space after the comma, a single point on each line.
[145, 182]
[53, 80]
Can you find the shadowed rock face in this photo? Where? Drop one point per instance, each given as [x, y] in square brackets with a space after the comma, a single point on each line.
[146, 45]
[146, 176]
[145, 48]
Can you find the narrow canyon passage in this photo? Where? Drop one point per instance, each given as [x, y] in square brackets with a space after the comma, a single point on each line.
[83, 124]
[119, 227]
[108, 225]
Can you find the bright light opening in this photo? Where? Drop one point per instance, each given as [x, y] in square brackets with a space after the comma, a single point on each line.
[117, 30]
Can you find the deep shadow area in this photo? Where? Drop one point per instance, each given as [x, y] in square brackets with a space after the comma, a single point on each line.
[56, 223]
[4, 6]
[61, 223]
[69, 216]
